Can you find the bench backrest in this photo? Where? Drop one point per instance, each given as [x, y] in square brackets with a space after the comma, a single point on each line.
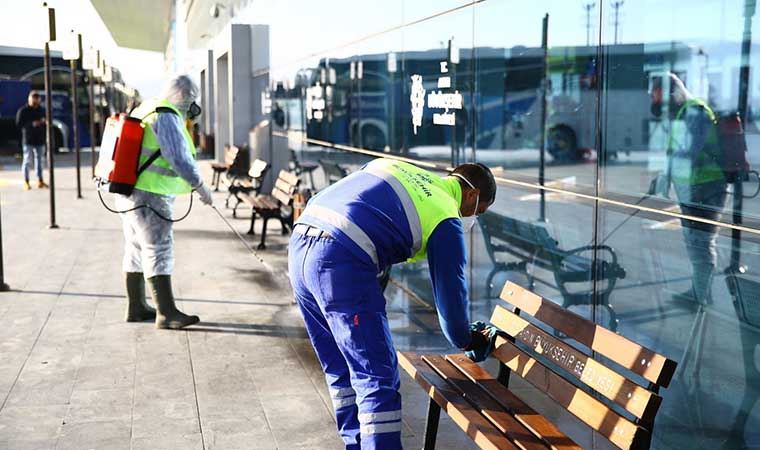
[230, 153]
[526, 239]
[548, 362]
[333, 172]
[259, 168]
[285, 186]
[238, 161]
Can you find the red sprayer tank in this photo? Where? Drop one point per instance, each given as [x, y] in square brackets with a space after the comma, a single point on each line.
[120, 153]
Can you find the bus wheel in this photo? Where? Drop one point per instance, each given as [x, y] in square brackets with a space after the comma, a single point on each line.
[562, 144]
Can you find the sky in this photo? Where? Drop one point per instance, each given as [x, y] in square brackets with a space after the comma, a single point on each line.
[24, 24]
[297, 26]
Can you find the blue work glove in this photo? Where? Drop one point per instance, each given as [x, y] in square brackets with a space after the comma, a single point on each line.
[483, 341]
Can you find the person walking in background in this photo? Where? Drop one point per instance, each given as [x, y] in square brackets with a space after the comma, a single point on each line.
[699, 184]
[30, 118]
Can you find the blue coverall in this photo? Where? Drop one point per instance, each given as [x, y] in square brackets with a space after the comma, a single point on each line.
[335, 283]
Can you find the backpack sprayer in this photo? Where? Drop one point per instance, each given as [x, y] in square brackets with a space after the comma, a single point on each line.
[119, 160]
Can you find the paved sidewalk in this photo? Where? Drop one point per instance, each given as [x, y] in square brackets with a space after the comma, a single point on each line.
[73, 375]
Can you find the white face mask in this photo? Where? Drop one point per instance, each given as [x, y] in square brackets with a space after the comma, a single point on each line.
[470, 221]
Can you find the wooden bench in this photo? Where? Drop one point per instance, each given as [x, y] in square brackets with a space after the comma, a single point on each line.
[495, 417]
[333, 171]
[532, 244]
[277, 205]
[249, 184]
[235, 164]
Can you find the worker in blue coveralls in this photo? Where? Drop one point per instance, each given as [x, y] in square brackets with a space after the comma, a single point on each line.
[348, 234]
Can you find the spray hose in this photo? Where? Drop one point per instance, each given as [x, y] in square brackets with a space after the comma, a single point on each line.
[245, 243]
[161, 216]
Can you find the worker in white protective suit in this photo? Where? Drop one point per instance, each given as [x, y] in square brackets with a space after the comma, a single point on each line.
[168, 155]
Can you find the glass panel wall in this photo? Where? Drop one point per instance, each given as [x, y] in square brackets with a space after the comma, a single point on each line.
[624, 138]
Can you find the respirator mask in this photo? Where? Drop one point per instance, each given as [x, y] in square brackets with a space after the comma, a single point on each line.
[469, 222]
[193, 111]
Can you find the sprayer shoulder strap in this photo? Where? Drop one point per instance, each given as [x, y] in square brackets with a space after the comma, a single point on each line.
[157, 153]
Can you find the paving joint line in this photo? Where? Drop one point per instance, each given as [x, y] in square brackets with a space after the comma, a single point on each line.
[195, 390]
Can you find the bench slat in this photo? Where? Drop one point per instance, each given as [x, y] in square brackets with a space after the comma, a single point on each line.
[267, 202]
[470, 421]
[258, 168]
[487, 406]
[230, 155]
[638, 359]
[289, 177]
[591, 411]
[523, 413]
[250, 200]
[637, 400]
[283, 197]
[284, 186]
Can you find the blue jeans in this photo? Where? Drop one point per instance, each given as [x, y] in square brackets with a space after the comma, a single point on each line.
[344, 311]
[39, 153]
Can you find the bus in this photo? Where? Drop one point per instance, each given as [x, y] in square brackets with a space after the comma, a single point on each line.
[21, 70]
[364, 100]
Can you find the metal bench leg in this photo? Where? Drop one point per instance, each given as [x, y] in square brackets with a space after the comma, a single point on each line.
[431, 425]
[284, 226]
[263, 244]
[218, 179]
[253, 221]
[504, 373]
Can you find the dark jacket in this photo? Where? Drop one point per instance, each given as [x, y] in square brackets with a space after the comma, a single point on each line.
[30, 134]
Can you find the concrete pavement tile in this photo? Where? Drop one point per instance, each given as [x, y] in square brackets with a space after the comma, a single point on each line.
[237, 432]
[168, 442]
[42, 390]
[35, 423]
[291, 413]
[28, 445]
[244, 403]
[325, 438]
[156, 425]
[95, 436]
[108, 405]
[105, 376]
[120, 352]
[290, 378]
[171, 408]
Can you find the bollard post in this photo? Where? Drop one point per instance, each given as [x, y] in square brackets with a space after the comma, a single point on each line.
[92, 120]
[3, 286]
[74, 66]
[49, 112]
